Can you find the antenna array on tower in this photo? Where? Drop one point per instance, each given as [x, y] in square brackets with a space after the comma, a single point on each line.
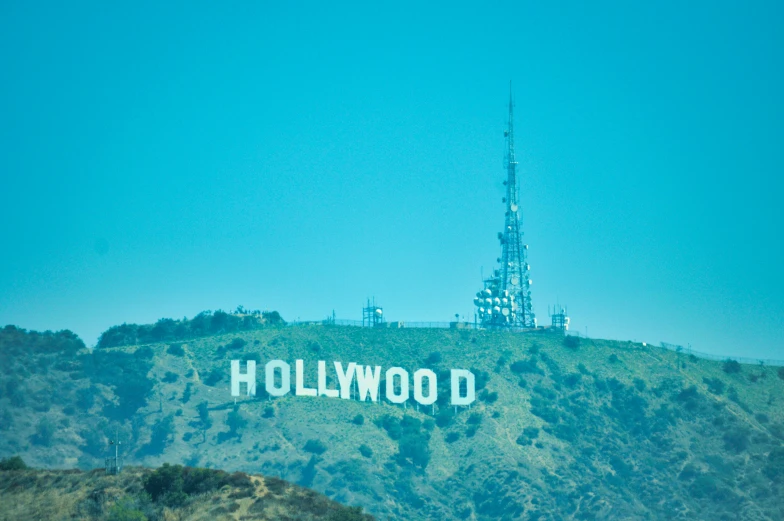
[505, 301]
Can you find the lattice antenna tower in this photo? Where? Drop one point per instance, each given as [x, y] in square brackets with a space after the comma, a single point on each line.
[505, 301]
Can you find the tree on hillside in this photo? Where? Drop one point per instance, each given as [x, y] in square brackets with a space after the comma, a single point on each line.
[236, 421]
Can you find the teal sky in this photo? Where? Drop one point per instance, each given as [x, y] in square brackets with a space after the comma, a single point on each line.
[159, 160]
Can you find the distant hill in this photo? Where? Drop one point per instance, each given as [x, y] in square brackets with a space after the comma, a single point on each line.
[170, 492]
[590, 430]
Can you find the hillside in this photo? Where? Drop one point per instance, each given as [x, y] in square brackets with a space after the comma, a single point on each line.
[599, 430]
[171, 492]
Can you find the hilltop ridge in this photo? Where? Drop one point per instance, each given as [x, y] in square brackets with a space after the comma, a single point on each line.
[590, 430]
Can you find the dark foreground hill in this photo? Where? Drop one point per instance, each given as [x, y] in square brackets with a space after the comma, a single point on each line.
[171, 493]
[595, 430]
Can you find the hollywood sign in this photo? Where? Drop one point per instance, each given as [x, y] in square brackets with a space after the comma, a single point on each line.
[277, 382]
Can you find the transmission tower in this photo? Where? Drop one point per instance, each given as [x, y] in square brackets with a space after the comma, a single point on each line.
[505, 301]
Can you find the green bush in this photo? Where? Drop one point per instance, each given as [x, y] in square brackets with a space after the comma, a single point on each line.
[737, 439]
[215, 376]
[780, 372]
[163, 432]
[170, 377]
[531, 432]
[774, 466]
[165, 480]
[204, 415]
[452, 437]
[6, 420]
[236, 421]
[529, 366]
[358, 420]
[13, 463]
[124, 510]
[176, 350]
[315, 447]
[366, 451]
[715, 385]
[433, 359]
[44, 433]
[731, 366]
[571, 341]
[186, 394]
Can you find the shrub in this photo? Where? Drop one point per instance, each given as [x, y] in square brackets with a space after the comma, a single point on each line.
[475, 418]
[780, 372]
[44, 433]
[444, 417]
[571, 380]
[144, 353]
[124, 510]
[366, 451]
[452, 437]
[358, 420]
[6, 420]
[639, 384]
[13, 463]
[731, 366]
[488, 397]
[736, 439]
[170, 377]
[774, 467]
[186, 394]
[269, 412]
[236, 344]
[471, 431]
[715, 385]
[162, 432]
[236, 421]
[526, 366]
[315, 447]
[572, 342]
[166, 479]
[614, 359]
[176, 350]
[433, 358]
[531, 432]
[204, 415]
[215, 376]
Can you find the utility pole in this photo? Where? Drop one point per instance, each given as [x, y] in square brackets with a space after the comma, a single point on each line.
[114, 465]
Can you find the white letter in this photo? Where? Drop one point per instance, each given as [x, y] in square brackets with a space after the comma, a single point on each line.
[301, 389]
[345, 378]
[322, 381]
[368, 381]
[249, 377]
[432, 386]
[285, 378]
[468, 376]
[391, 395]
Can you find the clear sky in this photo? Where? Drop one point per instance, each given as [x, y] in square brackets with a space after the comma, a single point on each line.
[158, 159]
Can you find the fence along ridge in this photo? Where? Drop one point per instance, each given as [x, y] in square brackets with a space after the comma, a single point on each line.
[471, 325]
